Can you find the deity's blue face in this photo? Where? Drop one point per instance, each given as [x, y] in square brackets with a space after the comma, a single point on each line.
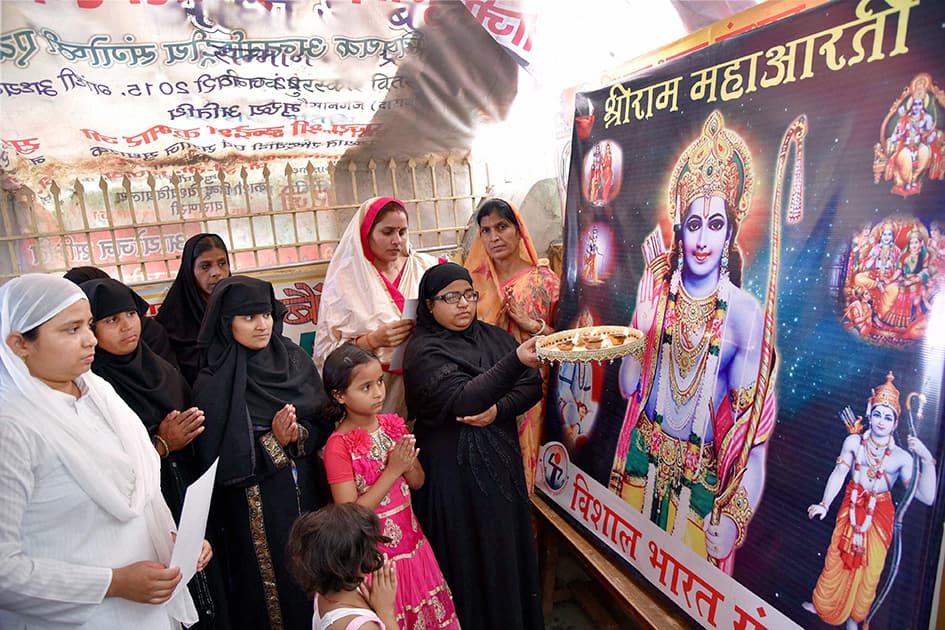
[704, 233]
[882, 420]
[886, 237]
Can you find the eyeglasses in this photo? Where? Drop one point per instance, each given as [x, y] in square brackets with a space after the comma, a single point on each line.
[453, 296]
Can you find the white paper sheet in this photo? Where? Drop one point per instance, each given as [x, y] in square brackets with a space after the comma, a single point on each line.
[397, 356]
[410, 308]
[193, 526]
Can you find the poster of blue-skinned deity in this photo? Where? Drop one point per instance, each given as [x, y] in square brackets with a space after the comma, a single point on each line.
[768, 212]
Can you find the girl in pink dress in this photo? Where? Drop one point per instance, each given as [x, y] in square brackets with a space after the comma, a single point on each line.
[371, 459]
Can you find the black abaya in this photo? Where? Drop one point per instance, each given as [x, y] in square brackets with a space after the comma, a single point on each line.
[474, 505]
[182, 312]
[262, 487]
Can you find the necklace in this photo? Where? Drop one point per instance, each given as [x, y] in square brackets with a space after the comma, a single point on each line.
[697, 417]
[874, 471]
[692, 320]
[875, 447]
[690, 317]
[704, 354]
[875, 458]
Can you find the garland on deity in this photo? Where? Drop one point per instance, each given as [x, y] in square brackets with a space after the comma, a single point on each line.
[698, 367]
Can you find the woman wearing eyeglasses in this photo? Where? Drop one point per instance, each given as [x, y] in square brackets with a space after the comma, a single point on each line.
[466, 381]
[371, 275]
[518, 293]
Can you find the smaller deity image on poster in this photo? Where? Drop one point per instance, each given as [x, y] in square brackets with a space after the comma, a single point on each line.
[895, 270]
[848, 591]
[603, 168]
[598, 259]
[578, 397]
[911, 141]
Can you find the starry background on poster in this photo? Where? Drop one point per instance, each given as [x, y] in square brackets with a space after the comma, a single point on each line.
[822, 366]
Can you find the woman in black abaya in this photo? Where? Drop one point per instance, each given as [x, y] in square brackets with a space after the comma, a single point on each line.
[203, 264]
[466, 382]
[157, 393]
[152, 332]
[262, 397]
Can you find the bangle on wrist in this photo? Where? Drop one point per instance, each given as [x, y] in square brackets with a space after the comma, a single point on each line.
[541, 327]
[739, 510]
[159, 442]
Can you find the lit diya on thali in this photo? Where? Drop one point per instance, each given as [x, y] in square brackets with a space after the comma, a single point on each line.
[592, 343]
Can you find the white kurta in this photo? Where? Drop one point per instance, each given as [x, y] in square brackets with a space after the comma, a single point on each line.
[57, 546]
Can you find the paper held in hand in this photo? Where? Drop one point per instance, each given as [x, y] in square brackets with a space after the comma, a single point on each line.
[193, 526]
[397, 356]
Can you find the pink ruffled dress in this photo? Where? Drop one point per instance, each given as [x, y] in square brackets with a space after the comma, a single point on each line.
[423, 597]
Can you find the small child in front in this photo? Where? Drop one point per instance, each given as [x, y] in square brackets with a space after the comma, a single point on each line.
[330, 553]
[371, 460]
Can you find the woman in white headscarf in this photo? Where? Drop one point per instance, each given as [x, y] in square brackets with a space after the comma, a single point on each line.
[85, 534]
[371, 275]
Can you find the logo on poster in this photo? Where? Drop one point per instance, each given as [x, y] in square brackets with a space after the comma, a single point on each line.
[554, 466]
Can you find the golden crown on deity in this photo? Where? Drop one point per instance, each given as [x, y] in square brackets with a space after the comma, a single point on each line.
[919, 233]
[886, 394]
[718, 164]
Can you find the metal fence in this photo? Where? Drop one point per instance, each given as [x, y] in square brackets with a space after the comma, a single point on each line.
[134, 225]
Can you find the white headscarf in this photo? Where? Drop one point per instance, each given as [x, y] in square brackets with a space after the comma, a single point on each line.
[354, 299]
[126, 483]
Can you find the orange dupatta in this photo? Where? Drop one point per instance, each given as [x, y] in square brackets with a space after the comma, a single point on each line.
[486, 280]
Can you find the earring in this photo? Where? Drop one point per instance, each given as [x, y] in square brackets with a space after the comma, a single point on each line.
[724, 262]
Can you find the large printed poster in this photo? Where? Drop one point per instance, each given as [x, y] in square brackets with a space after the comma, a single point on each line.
[768, 211]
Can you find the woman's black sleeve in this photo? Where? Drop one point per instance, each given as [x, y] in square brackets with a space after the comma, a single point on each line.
[507, 382]
[522, 397]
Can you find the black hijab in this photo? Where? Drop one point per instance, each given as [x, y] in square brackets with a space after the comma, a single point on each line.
[183, 309]
[439, 361]
[434, 280]
[239, 389]
[78, 275]
[151, 332]
[151, 386]
[439, 364]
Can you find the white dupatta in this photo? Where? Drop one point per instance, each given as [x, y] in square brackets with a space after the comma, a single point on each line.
[125, 483]
[355, 299]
